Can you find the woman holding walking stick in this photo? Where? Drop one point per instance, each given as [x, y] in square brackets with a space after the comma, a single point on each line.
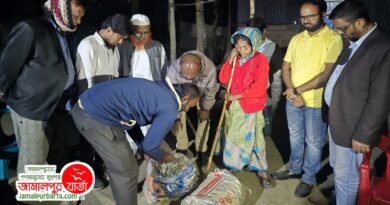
[244, 121]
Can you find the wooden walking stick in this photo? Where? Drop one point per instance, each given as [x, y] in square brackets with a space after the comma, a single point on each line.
[220, 120]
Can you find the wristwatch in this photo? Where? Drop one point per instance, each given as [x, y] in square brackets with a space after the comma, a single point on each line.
[295, 91]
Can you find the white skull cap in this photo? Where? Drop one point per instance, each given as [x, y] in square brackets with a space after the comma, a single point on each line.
[139, 20]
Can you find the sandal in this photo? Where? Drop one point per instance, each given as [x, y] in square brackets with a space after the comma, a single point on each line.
[266, 183]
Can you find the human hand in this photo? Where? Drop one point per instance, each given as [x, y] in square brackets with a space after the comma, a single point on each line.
[289, 93]
[360, 147]
[146, 157]
[178, 125]
[231, 97]
[233, 55]
[168, 157]
[149, 183]
[204, 115]
[298, 101]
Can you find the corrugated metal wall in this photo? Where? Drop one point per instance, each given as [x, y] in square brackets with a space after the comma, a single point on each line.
[379, 12]
[277, 12]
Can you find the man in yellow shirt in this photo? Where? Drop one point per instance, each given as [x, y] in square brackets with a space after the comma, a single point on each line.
[306, 68]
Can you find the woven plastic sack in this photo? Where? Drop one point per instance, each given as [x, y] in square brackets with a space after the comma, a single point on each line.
[219, 188]
[169, 181]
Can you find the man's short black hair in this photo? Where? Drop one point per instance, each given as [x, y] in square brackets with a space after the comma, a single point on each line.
[321, 4]
[188, 89]
[119, 24]
[350, 11]
[257, 22]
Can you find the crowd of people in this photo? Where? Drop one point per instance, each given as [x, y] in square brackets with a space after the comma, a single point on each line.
[124, 97]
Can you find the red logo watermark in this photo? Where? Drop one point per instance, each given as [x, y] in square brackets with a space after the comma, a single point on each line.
[77, 178]
[42, 183]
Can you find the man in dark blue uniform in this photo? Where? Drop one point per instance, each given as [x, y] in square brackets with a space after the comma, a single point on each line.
[106, 110]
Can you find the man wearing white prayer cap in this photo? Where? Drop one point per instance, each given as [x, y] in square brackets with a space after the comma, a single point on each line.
[140, 20]
[140, 55]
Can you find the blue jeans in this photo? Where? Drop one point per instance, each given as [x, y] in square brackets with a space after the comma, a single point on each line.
[307, 137]
[345, 163]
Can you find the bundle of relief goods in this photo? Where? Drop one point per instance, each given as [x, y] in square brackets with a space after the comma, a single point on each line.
[219, 188]
[170, 180]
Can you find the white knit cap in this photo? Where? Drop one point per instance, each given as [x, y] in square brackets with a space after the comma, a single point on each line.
[139, 20]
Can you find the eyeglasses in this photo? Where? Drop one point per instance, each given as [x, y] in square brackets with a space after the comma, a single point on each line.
[343, 29]
[141, 34]
[308, 17]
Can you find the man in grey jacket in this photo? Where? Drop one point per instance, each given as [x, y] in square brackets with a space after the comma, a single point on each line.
[194, 67]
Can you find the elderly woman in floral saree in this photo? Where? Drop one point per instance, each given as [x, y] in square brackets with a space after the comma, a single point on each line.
[244, 121]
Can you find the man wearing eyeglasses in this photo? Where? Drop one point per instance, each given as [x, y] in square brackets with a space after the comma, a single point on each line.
[306, 67]
[357, 94]
[140, 55]
[97, 61]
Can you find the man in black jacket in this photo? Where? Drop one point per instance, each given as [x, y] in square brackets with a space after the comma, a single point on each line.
[140, 55]
[357, 94]
[37, 80]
